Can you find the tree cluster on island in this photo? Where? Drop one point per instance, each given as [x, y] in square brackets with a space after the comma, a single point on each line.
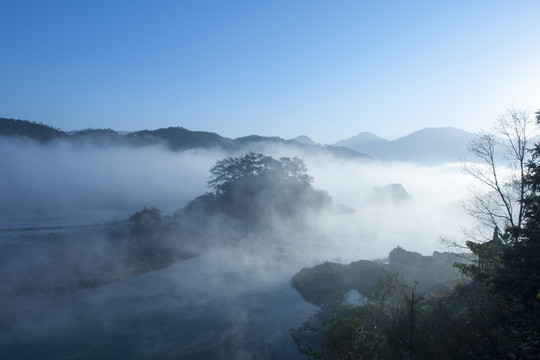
[493, 315]
[251, 194]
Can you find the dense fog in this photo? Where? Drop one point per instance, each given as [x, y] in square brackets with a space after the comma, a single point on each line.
[74, 178]
[228, 301]
[68, 180]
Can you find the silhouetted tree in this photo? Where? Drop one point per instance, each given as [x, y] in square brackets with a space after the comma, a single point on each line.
[508, 264]
[146, 221]
[519, 278]
[229, 170]
[500, 203]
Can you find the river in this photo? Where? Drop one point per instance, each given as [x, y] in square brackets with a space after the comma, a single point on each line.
[229, 303]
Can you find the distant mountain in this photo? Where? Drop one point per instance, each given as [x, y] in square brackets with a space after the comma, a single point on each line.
[365, 140]
[303, 139]
[433, 145]
[32, 130]
[178, 138]
[426, 146]
[96, 136]
[175, 138]
[254, 139]
[394, 193]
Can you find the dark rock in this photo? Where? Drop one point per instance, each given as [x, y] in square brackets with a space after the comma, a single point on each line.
[330, 282]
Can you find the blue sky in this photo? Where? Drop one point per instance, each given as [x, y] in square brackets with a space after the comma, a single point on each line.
[326, 69]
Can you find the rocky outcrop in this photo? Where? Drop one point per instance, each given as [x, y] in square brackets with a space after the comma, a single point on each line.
[329, 282]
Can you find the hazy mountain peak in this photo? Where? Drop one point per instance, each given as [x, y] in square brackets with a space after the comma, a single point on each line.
[362, 139]
[435, 139]
[30, 129]
[366, 135]
[303, 139]
[427, 145]
[445, 132]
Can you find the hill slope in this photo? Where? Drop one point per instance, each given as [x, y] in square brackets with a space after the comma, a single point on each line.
[427, 146]
[175, 138]
[32, 130]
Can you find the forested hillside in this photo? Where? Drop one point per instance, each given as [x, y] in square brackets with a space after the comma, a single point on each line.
[173, 138]
[32, 130]
[492, 313]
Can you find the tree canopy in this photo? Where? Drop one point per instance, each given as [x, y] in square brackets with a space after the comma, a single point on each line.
[229, 170]
[508, 264]
[504, 154]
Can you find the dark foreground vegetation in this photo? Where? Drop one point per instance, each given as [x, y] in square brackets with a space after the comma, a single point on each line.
[495, 314]
[252, 195]
[330, 282]
[400, 319]
[413, 307]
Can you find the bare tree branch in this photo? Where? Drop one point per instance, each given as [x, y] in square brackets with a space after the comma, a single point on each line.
[506, 149]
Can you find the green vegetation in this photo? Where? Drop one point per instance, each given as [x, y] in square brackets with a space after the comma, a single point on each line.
[494, 315]
[397, 318]
[255, 192]
[327, 282]
[252, 194]
[401, 322]
[174, 138]
[32, 130]
[414, 306]
[228, 172]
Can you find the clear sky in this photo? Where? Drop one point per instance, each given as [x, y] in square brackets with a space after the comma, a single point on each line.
[326, 69]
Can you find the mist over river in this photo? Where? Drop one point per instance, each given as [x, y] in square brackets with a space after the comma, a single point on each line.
[62, 203]
[224, 304]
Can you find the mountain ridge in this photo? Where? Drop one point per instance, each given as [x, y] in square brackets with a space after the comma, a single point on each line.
[175, 138]
[428, 145]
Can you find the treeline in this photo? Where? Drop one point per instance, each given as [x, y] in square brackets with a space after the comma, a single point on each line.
[252, 195]
[496, 315]
[401, 322]
[30, 129]
[174, 138]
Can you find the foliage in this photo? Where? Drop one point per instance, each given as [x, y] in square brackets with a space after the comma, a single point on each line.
[508, 262]
[227, 171]
[254, 191]
[508, 265]
[521, 279]
[156, 240]
[488, 259]
[33, 130]
[465, 323]
[497, 316]
[349, 339]
[146, 221]
[499, 202]
[404, 325]
[324, 282]
[178, 138]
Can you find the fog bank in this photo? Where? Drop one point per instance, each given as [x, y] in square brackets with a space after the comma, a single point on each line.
[223, 304]
[81, 181]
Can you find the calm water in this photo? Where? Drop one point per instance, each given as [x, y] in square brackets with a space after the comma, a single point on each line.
[223, 305]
